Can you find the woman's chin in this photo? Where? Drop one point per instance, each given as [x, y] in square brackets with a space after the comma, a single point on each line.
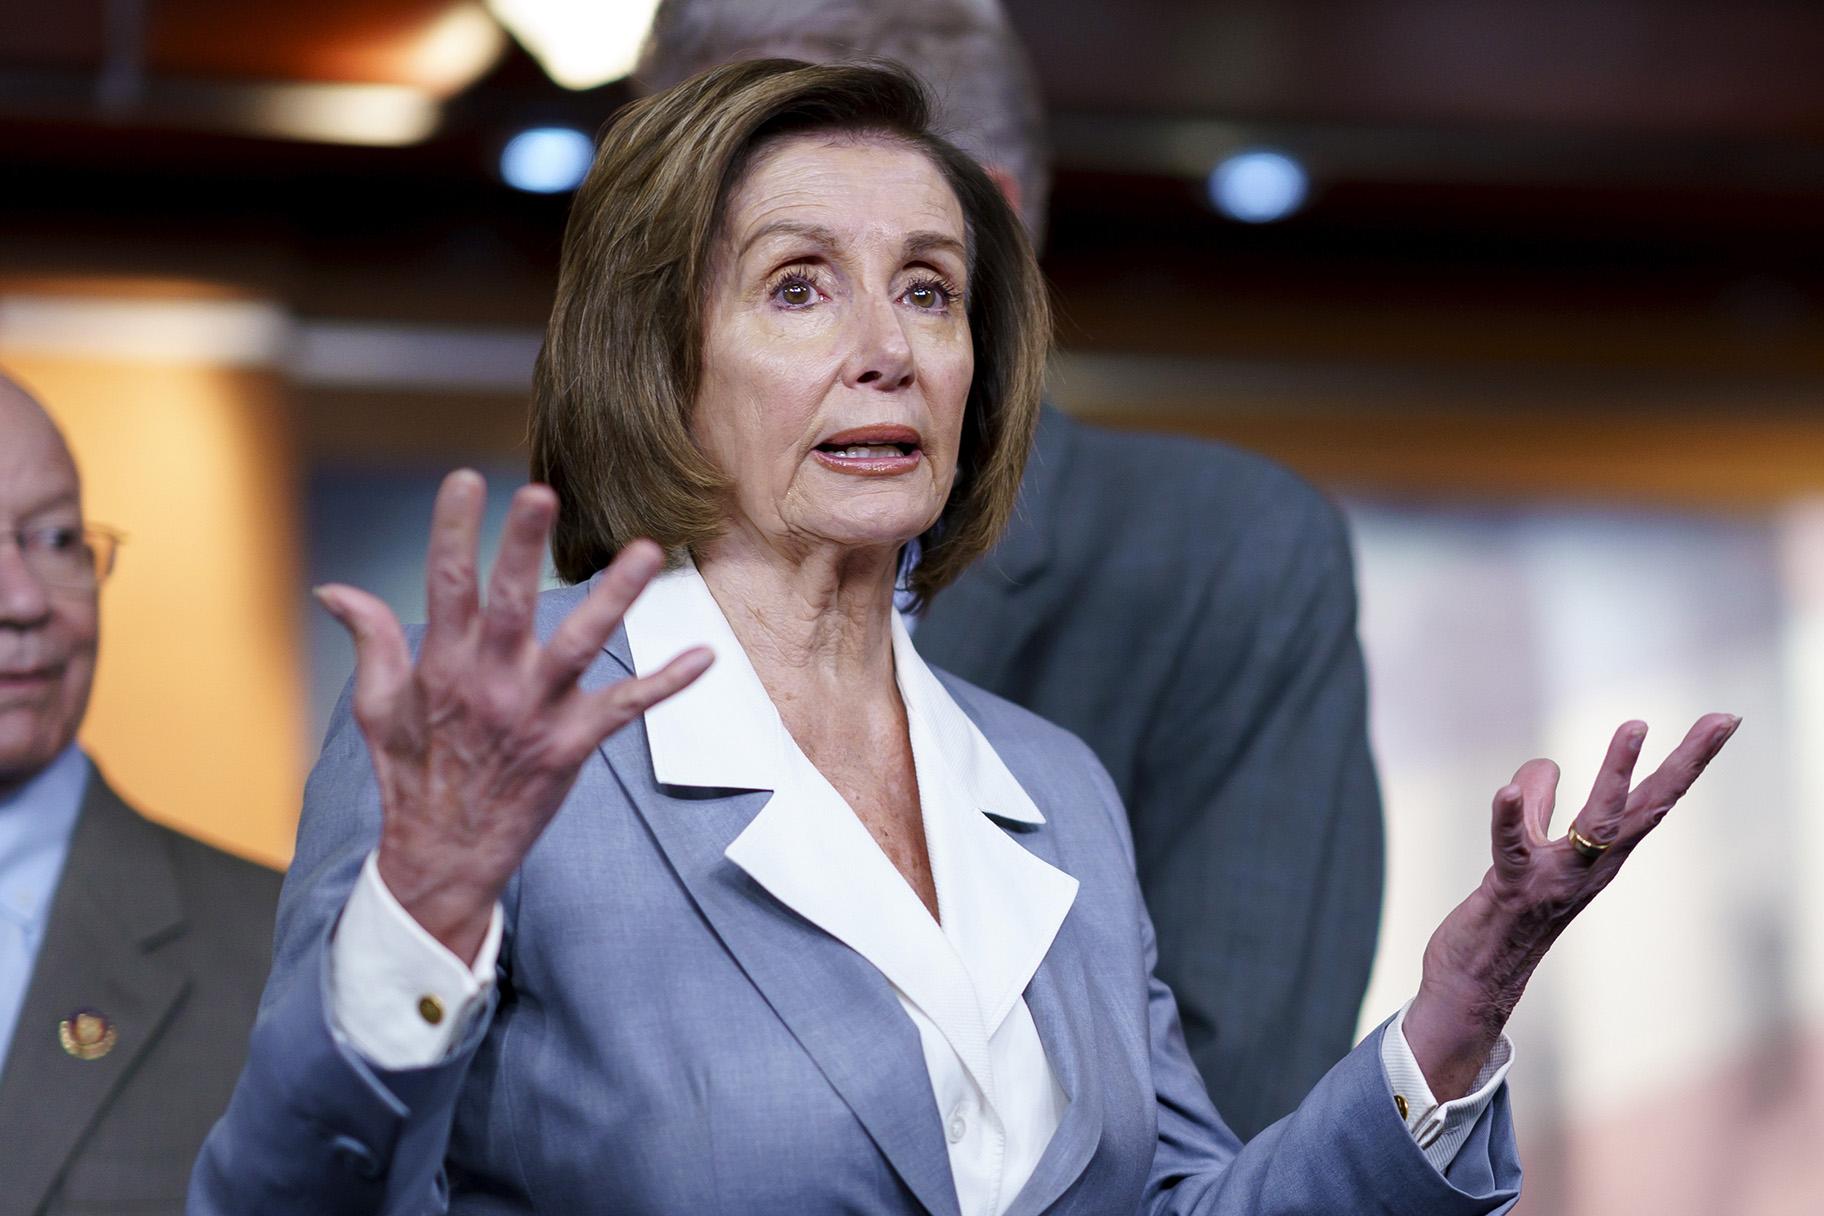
[875, 519]
[885, 531]
[868, 538]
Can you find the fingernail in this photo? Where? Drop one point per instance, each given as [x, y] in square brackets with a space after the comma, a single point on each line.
[1636, 737]
[320, 593]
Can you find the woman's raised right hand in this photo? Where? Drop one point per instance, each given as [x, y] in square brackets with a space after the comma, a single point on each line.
[476, 745]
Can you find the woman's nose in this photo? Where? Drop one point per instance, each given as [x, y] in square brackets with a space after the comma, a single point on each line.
[882, 356]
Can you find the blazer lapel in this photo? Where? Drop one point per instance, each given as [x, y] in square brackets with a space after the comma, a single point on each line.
[1056, 1000]
[977, 627]
[116, 905]
[840, 1008]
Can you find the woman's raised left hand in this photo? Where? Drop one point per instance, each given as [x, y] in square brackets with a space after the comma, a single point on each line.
[477, 739]
[1480, 958]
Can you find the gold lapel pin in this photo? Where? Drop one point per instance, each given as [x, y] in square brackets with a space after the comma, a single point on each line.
[87, 1034]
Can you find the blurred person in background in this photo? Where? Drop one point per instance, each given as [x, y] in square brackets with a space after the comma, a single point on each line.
[826, 930]
[1186, 608]
[131, 957]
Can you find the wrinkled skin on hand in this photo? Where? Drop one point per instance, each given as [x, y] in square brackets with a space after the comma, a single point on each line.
[1479, 960]
[477, 743]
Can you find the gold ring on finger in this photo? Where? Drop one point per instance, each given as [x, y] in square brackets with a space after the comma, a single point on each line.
[1586, 848]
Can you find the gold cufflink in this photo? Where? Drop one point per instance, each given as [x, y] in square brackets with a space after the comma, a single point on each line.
[87, 1034]
[1400, 1104]
[430, 1009]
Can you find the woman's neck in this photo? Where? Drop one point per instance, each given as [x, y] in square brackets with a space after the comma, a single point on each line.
[812, 624]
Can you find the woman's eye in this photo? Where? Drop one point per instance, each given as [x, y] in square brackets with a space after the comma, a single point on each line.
[931, 297]
[795, 291]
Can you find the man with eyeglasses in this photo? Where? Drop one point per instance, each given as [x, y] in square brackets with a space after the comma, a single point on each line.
[131, 957]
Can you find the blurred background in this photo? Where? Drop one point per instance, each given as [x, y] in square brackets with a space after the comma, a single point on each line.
[1535, 288]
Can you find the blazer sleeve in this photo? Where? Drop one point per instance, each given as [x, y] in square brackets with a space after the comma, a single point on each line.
[313, 1128]
[1257, 814]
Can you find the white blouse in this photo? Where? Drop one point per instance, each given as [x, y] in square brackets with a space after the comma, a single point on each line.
[960, 978]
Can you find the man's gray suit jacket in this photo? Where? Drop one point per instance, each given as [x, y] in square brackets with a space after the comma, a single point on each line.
[1188, 610]
[665, 1037]
[171, 940]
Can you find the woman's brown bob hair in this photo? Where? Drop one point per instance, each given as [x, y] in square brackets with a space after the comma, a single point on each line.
[618, 376]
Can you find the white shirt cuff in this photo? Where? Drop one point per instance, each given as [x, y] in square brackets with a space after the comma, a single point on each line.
[396, 993]
[1439, 1128]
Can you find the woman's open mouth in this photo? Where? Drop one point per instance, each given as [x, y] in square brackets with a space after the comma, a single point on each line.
[871, 451]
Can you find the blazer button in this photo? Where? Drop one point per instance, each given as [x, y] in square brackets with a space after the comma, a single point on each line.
[350, 1152]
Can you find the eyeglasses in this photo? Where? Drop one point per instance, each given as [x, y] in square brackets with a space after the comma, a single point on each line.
[66, 557]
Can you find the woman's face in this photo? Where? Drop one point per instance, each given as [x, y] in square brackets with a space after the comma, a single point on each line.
[836, 351]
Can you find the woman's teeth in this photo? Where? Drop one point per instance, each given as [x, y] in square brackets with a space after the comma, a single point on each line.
[862, 452]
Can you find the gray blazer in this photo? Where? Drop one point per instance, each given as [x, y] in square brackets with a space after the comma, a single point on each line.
[668, 1038]
[171, 940]
[1189, 610]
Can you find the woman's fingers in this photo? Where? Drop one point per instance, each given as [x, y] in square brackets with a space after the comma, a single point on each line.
[1479, 960]
[1512, 849]
[383, 664]
[581, 636]
[1537, 781]
[1660, 792]
[506, 620]
[1601, 818]
[608, 710]
[450, 593]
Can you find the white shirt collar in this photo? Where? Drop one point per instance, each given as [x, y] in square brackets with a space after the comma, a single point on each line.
[723, 731]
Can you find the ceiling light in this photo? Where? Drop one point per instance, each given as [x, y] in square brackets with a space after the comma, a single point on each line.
[380, 115]
[581, 44]
[1258, 187]
[454, 49]
[546, 160]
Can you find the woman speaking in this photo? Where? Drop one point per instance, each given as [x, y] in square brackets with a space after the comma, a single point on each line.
[580, 923]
